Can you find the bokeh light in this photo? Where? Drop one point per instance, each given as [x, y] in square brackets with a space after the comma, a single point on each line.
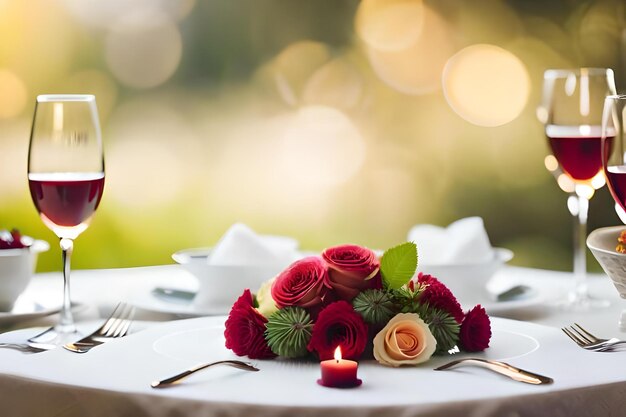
[321, 147]
[335, 84]
[102, 14]
[95, 82]
[389, 25]
[143, 50]
[293, 67]
[36, 35]
[150, 155]
[416, 69]
[551, 163]
[13, 94]
[566, 183]
[486, 85]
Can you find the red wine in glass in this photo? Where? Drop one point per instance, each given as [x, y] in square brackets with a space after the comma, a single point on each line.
[66, 180]
[616, 178]
[578, 150]
[66, 201]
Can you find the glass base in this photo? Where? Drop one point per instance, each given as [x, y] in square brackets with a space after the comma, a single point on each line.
[56, 336]
[577, 301]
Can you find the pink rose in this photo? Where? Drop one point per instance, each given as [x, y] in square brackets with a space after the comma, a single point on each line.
[352, 269]
[304, 283]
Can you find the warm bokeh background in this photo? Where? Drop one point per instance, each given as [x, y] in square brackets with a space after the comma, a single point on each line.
[330, 121]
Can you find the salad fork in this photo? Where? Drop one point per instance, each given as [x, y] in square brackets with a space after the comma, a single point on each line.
[588, 341]
[117, 325]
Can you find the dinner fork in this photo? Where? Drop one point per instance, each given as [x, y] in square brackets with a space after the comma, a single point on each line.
[117, 325]
[588, 341]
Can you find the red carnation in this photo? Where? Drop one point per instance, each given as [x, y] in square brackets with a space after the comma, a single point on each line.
[475, 331]
[437, 295]
[304, 283]
[351, 269]
[338, 325]
[245, 328]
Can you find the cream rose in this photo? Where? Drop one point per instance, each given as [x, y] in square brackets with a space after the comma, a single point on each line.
[405, 340]
[267, 306]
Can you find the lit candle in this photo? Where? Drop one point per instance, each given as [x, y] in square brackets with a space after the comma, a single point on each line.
[338, 372]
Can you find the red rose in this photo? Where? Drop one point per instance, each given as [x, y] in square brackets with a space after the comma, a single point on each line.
[352, 269]
[338, 325]
[304, 283]
[475, 331]
[439, 296]
[245, 328]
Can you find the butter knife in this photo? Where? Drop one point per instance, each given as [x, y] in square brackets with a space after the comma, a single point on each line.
[502, 368]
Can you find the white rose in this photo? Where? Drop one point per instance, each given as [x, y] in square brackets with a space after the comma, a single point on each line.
[264, 297]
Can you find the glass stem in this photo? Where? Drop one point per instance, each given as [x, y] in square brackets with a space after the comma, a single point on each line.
[580, 249]
[66, 321]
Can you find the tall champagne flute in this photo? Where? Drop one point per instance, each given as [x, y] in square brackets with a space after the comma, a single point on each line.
[613, 146]
[571, 111]
[66, 177]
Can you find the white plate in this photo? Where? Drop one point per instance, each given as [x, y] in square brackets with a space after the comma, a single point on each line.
[25, 310]
[198, 344]
[152, 303]
[533, 299]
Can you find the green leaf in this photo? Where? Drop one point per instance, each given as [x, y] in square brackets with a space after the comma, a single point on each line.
[398, 264]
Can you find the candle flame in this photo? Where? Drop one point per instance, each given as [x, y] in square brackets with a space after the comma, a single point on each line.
[338, 354]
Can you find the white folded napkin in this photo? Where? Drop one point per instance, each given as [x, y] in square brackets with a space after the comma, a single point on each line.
[464, 241]
[240, 245]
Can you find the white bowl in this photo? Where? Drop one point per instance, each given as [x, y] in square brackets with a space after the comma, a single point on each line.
[221, 285]
[602, 243]
[16, 269]
[468, 281]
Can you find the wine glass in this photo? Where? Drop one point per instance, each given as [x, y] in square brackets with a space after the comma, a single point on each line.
[66, 178]
[571, 112]
[613, 143]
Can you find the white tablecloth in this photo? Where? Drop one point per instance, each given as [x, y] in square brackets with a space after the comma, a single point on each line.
[114, 378]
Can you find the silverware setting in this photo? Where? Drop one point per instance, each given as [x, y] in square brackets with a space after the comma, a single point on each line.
[168, 382]
[502, 368]
[588, 341]
[117, 325]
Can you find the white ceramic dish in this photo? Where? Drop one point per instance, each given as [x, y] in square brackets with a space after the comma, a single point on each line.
[602, 243]
[468, 280]
[16, 269]
[221, 285]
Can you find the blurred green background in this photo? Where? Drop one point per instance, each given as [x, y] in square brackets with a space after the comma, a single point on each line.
[331, 121]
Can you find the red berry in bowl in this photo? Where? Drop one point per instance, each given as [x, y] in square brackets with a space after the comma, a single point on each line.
[13, 240]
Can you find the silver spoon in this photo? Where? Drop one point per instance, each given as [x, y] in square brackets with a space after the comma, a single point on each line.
[168, 382]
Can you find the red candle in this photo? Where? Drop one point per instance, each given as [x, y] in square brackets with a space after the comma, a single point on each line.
[338, 372]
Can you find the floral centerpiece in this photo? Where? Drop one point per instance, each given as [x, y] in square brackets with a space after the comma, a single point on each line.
[349, 297]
